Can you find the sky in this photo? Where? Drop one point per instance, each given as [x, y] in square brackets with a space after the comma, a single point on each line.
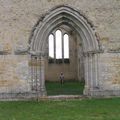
[58, 45]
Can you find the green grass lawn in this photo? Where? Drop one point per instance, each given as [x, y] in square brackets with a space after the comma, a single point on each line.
[68, 88]
[94, 109]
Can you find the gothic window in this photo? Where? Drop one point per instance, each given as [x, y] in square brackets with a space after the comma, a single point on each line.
[58, 38]
[58, 47]
[51, 46]
[66, 48]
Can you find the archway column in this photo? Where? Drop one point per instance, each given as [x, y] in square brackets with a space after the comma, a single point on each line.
[91, 72]
[86, 73]
[42, 76]
[38, 74]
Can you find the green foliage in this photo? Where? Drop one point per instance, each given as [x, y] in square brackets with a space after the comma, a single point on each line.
[68, 88]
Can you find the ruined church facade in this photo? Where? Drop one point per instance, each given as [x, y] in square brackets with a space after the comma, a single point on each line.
[93, 29]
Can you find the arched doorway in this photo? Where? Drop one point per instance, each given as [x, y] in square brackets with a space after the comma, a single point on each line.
[64, 15]
[65, 56]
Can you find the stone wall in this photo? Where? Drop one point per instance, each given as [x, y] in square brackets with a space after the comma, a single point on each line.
[110, 71]
[17, 19]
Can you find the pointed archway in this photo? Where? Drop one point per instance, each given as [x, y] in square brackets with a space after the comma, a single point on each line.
[64, 15]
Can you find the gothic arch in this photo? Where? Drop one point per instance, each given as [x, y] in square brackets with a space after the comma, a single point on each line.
[77, 21]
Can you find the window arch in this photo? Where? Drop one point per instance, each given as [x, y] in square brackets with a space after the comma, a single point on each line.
[58, 40]
[66, 46]
[51, 46]
[58, 47]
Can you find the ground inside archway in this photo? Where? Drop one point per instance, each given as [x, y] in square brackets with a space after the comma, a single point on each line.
[68, 88]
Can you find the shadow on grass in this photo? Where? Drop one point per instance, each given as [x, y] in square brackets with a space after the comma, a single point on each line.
[68, 88]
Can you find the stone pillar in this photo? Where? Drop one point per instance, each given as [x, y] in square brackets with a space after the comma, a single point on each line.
[86, 71]
[42, 77]
[91, 73]
[95, 71]
[94, 74]
[33, 65]
[32, 72]
[38, 75]
[90, 76]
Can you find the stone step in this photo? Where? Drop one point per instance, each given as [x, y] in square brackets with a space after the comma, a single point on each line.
[63, 97]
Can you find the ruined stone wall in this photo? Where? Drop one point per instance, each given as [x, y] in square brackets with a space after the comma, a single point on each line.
[17, 19]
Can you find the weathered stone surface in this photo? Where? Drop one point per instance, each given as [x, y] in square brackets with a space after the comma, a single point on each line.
[14, 73]
[110, 71]
[17, 20]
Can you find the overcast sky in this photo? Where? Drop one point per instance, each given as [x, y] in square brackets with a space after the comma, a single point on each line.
[59, 45]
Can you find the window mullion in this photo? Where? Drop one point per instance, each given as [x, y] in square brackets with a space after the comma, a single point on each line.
[62, 47]
[54, 47]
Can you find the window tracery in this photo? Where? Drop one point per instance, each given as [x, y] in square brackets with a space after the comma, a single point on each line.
[58, 43]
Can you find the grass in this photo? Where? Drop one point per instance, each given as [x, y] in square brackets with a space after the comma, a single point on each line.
[68, 88]
[94, 109]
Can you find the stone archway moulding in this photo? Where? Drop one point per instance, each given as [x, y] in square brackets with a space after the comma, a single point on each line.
[74, 19]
